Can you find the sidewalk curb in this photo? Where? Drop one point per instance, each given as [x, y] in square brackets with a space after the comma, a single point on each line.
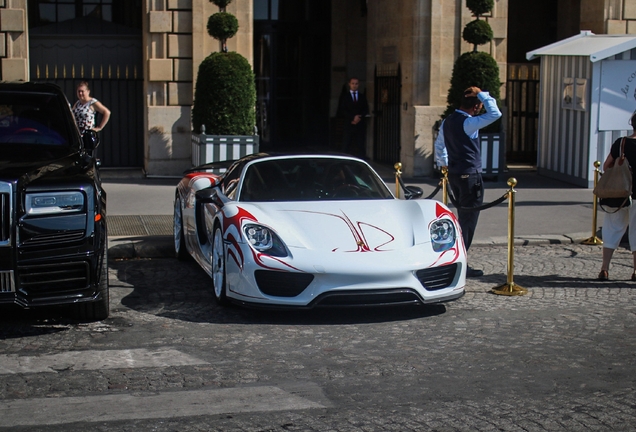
[161, 246]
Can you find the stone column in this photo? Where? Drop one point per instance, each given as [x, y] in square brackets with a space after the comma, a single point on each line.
[425, 36]
[428, 65]
[176, 41]
[14, 41]
[167, 40]
[629, 15]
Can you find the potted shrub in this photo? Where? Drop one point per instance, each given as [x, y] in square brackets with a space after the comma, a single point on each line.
[477, 68]
[223, 112]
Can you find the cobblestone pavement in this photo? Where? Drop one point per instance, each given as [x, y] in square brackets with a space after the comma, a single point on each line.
[562, 358]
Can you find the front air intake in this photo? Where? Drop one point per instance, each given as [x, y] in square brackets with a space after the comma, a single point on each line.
[54, 278]
[282, 284]
[436, 278]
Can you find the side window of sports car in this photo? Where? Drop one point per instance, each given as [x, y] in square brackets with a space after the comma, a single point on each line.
[231, 180]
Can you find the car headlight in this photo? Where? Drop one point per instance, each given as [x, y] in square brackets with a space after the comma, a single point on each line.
[264, 240]
[443, 235]
[54, 202]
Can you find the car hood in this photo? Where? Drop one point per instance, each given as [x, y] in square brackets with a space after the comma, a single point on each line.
[373, 225]
[27, 167]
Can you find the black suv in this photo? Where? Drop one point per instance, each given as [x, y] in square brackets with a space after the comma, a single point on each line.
[53, 241]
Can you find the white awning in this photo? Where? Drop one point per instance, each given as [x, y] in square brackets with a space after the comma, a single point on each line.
[597, 47]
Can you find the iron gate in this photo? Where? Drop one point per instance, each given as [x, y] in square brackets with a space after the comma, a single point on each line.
[121, 141]
[112, 65]
[522, 94]
[386, 120]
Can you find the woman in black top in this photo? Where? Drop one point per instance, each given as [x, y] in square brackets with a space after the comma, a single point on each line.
[615, 224]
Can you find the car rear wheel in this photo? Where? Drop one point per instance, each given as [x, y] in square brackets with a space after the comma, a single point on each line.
[100, 309]
[179, 242]
[218, 267]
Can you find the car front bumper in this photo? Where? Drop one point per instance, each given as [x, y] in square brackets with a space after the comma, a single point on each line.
[396, 277]
[65, 275]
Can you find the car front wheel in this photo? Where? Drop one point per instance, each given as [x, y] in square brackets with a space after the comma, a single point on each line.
[218, 267]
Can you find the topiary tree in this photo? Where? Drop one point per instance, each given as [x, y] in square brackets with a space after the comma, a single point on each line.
[225, 93]
[222, 4]
[480, 7]
[475, 68]
[478, 32]
[222, 26]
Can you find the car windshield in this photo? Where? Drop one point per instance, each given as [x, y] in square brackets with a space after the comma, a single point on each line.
[30, 118]
[310, 179]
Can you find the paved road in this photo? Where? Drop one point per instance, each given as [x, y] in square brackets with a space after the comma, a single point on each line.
[561, 358]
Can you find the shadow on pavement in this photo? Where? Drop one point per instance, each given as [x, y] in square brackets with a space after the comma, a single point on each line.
[182, 291]
[16, 322]
[558, 281]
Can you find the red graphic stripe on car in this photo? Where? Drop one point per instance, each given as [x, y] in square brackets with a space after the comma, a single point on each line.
[234, 249]
[235, 221]
[258, 259]
[356, 232]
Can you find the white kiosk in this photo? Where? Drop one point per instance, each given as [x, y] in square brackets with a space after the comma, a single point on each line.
[587, 96]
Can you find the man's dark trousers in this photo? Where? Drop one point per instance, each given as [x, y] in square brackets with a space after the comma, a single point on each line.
[468, 190]
[354, 139]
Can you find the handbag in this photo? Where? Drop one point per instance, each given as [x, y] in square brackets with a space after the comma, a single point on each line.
[614, 203]
[616, 182]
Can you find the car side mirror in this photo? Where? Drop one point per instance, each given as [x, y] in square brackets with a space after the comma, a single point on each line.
[208, 196]
[413, 192]
[90, 140]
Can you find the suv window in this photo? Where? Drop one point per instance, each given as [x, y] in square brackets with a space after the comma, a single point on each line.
[32, 118]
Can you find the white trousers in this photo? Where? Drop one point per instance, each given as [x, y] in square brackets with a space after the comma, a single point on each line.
[615, 224]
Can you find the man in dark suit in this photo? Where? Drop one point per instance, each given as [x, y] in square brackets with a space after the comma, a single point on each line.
[353, 108]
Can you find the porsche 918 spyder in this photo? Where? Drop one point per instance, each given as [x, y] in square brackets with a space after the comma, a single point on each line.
[302, 231]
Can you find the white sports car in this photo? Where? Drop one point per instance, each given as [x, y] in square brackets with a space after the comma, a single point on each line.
[315, 230]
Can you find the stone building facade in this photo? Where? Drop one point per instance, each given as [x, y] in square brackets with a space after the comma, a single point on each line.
[14, 44]
[423, 37]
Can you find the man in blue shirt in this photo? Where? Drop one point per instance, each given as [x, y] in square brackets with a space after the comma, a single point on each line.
[457, 147]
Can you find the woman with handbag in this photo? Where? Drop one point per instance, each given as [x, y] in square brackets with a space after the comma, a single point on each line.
[615, 223]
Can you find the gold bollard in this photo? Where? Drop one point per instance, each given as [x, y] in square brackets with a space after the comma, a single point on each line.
[398, 173]
[445, 185]
[594, 240]
[510, 288]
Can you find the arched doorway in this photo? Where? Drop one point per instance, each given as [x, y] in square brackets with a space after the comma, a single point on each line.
[98, 41]
[292, 61]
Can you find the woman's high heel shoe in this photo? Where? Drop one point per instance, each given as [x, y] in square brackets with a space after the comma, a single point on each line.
[603, 276]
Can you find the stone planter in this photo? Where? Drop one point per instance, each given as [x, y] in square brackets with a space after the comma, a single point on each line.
[218, 148]
[493, 152]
